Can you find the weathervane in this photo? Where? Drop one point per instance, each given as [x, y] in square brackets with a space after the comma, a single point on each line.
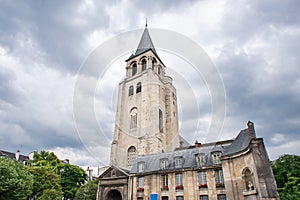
[146, 23]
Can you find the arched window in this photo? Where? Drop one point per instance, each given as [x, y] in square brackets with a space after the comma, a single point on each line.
[138, 87]
[153, 64]
[134, 69]
[131, 155]
[160, 123]
[133, 118]
[144, 65]
[130, 92]
[248, 179]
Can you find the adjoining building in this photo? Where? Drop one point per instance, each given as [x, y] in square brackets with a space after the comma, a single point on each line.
[149, 159]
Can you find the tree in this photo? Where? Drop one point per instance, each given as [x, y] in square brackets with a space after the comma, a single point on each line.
[284, 165]
[287, 172]
[46, 183]
[16, 182]
[72, 177]
[87, 191]
[46, 159]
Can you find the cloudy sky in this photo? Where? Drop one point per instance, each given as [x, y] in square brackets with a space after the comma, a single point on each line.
[254, 46]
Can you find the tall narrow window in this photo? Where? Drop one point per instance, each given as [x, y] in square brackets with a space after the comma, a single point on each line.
[153, 64]
[134, 69]
[158, 70]
[138, 87]
[164, 182]
[133, 118]
[178, 180]
[144, 65]
[130, 93]
[219, 179]
[141, 182]
[160, 117]
[131, 155]
[202, 180]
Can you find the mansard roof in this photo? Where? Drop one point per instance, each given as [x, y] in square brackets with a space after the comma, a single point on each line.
[226, 147]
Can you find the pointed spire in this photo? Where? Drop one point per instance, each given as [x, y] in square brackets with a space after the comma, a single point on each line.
[145, 42]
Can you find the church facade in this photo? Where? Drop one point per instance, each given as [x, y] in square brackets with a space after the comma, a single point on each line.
[150, 161]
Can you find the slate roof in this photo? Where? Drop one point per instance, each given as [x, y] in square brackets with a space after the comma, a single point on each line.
[145, 43]
[152, 162]
[13, 155]
[227, 147]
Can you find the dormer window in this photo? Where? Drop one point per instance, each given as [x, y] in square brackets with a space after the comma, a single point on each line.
[216, 157]
[164, 163]
[144, 64]
[141, 166]
[200, 159]
[178, 162]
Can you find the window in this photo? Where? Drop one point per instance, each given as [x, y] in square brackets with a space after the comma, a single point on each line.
[140, 198]
[131, 155]
[134, 69]
[200, 159]
[141, 166]
[219, 179]
[141, 182]
[133, 118]
[216, 158]
[202, 180]
[221, 197]
[179, 198]
[178, 180]
[203, 197]
[160, 118]
[130, 92]
[144, 65]
[178, 162]
[158, 70]
[164, 182]
[153, 64]
[164, 164]
[138, 87]
[164, 198]
[248, 180]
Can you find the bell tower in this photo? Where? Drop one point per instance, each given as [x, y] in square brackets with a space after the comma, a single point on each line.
[146, 116]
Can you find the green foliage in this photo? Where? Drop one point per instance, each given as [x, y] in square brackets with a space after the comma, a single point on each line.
[287, 172]
[51, 194]
[291, 190]
[46, 159]
[87, 191]
[16, 182]
[46, 181]
[72, 177]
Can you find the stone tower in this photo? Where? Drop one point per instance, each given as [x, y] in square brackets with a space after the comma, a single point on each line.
[146, 117]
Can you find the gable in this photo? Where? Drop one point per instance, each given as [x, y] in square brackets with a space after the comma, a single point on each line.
[114, 172]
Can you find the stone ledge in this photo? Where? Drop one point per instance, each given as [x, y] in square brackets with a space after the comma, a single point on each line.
[250, 192]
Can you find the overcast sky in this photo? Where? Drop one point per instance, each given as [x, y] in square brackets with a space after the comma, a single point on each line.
[254, 46]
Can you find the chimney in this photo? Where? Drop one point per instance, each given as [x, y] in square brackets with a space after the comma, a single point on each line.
[251, 128]
[197, 144]
[17, 155]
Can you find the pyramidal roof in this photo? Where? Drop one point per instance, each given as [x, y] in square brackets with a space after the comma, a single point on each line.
[145, 43]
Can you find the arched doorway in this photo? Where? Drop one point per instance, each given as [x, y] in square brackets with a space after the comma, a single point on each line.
[114, 195]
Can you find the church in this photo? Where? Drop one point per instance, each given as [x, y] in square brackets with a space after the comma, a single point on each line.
[149, 160]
